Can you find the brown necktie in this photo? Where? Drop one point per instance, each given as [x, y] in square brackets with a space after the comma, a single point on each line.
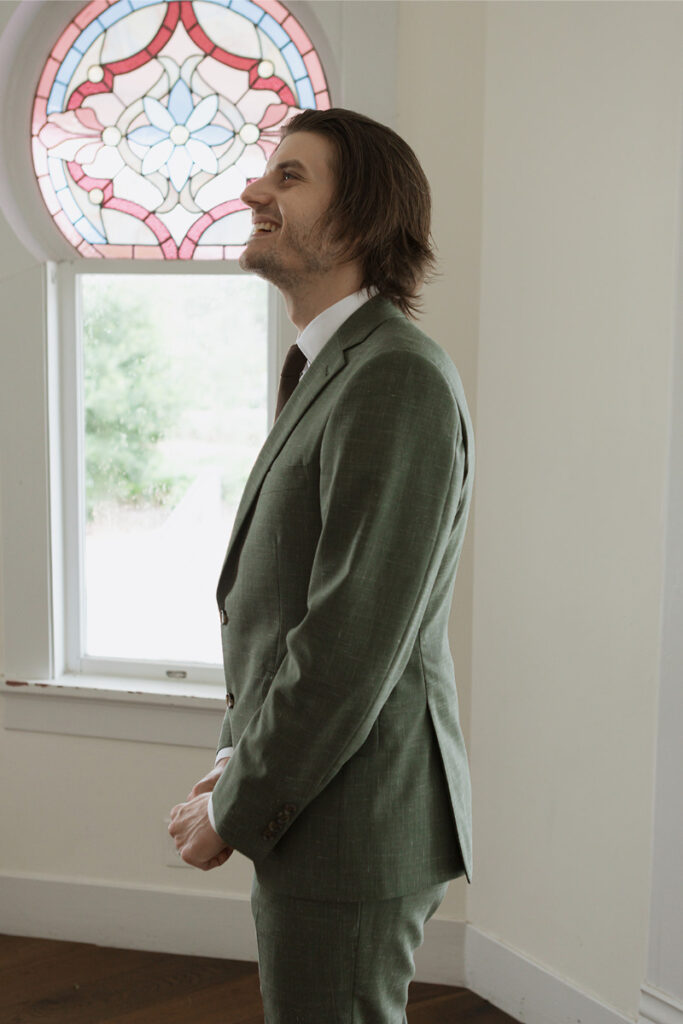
[294, 363]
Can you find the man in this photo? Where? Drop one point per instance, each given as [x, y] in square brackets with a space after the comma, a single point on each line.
[341, 768]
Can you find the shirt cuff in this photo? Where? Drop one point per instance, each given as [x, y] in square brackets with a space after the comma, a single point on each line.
[212, 819]
[223, 752]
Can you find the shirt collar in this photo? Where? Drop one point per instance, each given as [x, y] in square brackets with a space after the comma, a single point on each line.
[315, 335]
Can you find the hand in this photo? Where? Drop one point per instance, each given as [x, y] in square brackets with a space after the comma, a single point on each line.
[195, 839]
[206, 784]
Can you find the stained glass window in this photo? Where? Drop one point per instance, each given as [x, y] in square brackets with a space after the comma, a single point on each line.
[150, 118]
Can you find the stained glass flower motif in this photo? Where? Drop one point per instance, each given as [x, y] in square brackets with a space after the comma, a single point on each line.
[180, 135]
[150, 117]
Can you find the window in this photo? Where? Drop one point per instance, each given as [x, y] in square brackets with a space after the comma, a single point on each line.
[148, 120]
[42, 273]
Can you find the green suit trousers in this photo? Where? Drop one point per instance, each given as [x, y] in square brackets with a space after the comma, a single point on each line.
[338, 962]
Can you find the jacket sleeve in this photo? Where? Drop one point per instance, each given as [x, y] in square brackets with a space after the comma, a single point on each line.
[390, 476]
[225, 736]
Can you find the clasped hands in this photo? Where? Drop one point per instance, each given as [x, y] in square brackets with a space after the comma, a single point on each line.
[196, 841]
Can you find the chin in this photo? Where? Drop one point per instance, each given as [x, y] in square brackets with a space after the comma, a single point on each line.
[252, 266]
[265, 265]
[245, 259]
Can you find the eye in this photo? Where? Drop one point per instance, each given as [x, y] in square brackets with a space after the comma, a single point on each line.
[288, 176]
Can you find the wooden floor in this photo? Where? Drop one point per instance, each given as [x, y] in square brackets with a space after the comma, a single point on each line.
[45, 982]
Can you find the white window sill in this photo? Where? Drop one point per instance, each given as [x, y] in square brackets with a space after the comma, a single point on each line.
[170, 712]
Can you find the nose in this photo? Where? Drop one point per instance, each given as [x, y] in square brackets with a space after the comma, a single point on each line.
[256, 193]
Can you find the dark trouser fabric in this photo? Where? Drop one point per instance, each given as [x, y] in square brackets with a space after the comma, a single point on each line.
[338, 963]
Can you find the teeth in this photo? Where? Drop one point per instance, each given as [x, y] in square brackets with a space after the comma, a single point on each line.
[264, 227]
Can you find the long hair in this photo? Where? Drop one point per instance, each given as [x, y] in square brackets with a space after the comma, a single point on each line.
[381, 209]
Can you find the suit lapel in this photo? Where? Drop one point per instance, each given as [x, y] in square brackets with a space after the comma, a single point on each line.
[323, 369]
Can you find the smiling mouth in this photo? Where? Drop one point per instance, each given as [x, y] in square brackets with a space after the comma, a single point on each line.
[266, 228]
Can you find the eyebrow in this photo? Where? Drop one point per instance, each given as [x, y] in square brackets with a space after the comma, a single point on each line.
[286, 165]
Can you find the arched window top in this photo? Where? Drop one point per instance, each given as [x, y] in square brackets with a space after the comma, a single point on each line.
[150, 117]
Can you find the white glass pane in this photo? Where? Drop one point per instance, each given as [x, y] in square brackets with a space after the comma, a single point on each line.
[175, 379]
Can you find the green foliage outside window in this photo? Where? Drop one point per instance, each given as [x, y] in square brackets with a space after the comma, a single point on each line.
[130, 401]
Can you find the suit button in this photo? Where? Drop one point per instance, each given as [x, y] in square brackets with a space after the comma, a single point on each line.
[289, 809]
[224, 617]
[282, 817]
[230, 700]
[273, 827]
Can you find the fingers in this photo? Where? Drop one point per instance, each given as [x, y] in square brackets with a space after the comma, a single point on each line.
[205, 865]
[207, 783]
[219, 859]
[203, 786]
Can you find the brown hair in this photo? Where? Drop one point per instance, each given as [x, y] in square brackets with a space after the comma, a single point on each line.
[381, 209]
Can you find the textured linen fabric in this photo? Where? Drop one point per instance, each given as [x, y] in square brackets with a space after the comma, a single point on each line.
[349, 776]
[338, 963]
[311, 341]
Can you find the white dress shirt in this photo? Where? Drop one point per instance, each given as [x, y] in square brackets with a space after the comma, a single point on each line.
[312, 341]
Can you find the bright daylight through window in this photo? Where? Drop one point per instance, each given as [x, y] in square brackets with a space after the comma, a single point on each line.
[174, 374]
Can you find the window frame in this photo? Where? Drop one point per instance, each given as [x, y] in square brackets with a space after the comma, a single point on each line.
[69, 492]
[120, 700]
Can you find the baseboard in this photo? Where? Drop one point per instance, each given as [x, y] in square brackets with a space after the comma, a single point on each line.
[441, 958]
[525, 990]
[657, 1007]
[198, 923]
[170, 920]
[128, 917]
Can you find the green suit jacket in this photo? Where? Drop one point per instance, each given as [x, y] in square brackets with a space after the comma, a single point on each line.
[349, 778]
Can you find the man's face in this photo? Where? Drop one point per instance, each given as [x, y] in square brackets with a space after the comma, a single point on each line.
[288, 245]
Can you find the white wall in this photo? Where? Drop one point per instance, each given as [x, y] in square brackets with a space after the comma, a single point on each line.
[581, 176]
[665, 947]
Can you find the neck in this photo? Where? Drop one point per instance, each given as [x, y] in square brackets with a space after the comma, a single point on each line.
[305, 302]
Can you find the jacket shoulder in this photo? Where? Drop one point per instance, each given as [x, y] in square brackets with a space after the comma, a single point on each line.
[398, 342]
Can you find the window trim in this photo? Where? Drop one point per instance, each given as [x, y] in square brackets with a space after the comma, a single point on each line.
[119, 709]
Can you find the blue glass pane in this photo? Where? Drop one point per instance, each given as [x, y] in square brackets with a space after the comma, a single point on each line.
[89, 231]
[56, 100]
[69, 205]
[180, 102]
[293, 58]
[306, 94]
[69, 65]
[247, 9]
[88, 36]
[274, 31]
[148, 135]
[213, 135]
[115, 13]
